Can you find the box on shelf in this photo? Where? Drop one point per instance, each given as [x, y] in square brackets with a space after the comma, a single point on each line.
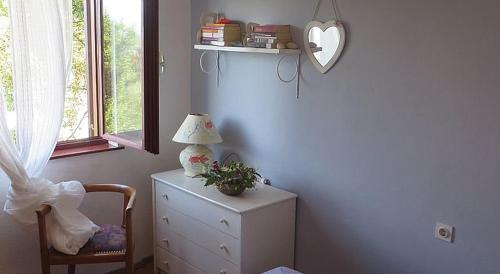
[268, 36]
[221, 34]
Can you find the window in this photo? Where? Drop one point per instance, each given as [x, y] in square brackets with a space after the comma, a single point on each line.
[113, 93]
[6, 81]
[76, 122]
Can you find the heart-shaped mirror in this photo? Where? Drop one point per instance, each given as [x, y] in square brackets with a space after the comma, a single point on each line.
[324, 43]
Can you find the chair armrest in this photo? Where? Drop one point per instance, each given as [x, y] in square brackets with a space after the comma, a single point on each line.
[108, 188]
[43, 210]
[131, 201]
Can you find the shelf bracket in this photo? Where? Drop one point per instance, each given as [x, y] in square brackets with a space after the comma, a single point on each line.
[284, 52]
[217, 64]
[297, 85]
[216, 67]
[296, 75]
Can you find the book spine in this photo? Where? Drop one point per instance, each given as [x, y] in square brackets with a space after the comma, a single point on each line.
[219, 43]
[212, 38]
[217, 34]
[222, 25]
[271, 33]
[211, 30]
[256, 45]
[259, 34]
[261, 45]
[206, 40]
[263, 40]
[220, 29]
[268, 40]
[220, 39]
[221, 35]
[222, 44]
[272, 28]
[278, 37]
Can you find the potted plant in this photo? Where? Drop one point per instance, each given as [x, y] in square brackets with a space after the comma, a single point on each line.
[231, 179]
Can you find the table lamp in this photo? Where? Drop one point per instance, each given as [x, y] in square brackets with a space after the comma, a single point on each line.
[197, 130]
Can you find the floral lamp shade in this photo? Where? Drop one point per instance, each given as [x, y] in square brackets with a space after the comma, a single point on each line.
[197, 129]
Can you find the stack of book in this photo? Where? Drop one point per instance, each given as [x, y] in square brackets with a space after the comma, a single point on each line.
[221, 35]
[268, 36]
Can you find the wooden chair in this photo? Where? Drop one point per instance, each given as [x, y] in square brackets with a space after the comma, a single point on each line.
[92, 252]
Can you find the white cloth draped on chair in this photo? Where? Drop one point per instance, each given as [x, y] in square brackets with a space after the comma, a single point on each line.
[42, 48]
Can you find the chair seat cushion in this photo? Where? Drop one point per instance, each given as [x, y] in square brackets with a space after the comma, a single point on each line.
[109, 238]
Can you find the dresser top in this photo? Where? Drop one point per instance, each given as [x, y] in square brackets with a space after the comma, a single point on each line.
[262, 195]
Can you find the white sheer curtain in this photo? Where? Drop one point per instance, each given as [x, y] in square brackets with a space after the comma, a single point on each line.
[42, 47]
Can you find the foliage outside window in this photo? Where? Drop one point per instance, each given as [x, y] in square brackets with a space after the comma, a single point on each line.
[76, 120]
[5, 56]
[122, 66]
[76, 117]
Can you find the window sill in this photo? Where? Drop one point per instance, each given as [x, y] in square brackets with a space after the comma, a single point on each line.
[83, 148]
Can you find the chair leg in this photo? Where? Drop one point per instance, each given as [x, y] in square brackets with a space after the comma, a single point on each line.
[129, 263]
[45, 268]
[129, 267]
[71, 269]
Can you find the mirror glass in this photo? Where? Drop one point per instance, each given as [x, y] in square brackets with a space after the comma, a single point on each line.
[324, 44]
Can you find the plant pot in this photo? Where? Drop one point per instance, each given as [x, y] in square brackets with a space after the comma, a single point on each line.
[231, 189]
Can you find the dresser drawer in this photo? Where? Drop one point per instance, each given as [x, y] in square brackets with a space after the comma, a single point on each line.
[170, 220]
[211, 214]
[171, 264]
[198, 256]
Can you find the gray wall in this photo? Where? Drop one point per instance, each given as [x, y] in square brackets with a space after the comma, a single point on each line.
[403, 132]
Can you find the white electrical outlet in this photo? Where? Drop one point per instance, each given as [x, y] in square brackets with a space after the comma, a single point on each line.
[444, 232]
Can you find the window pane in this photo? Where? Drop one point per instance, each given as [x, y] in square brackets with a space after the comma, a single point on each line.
[76, 105]
[6, 65]
[122, 54]
[76, 118]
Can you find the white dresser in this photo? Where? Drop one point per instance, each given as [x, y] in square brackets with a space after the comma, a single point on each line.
[200, 230]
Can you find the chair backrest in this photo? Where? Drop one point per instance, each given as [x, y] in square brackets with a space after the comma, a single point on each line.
[128, 192]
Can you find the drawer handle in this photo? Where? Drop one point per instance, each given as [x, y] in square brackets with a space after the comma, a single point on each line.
[223, 272]
[166, 242]
[165, 196]
[166, 263]
[165, 218]
[223, 221]
[223, 247]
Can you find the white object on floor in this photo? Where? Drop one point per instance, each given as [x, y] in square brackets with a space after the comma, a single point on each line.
[282, 270]
[41, 44]
[200, 230]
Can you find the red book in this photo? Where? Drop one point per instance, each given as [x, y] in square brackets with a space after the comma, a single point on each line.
[272, 28]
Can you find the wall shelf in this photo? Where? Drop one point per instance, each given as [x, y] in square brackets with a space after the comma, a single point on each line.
[295, 53]
[249, 50]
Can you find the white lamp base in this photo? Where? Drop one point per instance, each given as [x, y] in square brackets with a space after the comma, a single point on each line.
[194, 159]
